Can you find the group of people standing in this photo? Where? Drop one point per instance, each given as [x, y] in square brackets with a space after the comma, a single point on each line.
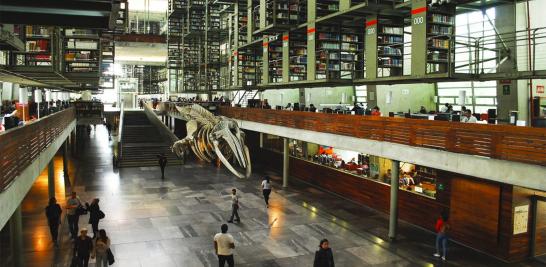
[85, 247]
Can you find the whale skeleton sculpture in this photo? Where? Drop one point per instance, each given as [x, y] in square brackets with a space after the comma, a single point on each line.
[213, 137]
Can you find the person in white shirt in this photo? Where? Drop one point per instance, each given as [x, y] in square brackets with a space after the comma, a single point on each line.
[234, 206]
[266, 190]
[444, 108]
[468, 118]
[224, 245]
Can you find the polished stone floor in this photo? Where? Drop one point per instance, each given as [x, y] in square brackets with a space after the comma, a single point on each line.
[171, 223]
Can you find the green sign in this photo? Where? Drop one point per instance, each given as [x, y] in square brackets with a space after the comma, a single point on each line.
[506, 89]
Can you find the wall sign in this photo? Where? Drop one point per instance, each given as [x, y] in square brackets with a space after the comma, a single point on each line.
[540, 89]
[521, 219]
[506, 89]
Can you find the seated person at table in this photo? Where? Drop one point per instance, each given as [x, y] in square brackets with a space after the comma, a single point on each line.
[468, 118]
[266, 105]
[387, 176]
[423, 110]
[312, 108]
[288, 107]
[445, 108]
[376, 111]
[357, 109]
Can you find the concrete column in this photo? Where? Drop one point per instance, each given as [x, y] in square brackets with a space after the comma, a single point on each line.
[16, 236]
[65, 160]
[393, 215]
[507, 90]
[261, 140]
[285, 163]
[73, 143]
[51, 178]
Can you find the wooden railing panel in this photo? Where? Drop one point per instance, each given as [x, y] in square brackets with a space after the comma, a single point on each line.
[22, 145]
[507, 142]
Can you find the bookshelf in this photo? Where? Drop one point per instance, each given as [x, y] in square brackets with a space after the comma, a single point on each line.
[81, 51]
[38, 42]
[298, 56]
[328, 53]
[440, 31]
[250, 65]
[352, 53]
[390, 45]
[275, 60]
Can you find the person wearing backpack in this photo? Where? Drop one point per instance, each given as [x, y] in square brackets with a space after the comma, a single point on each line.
[266, 190]
[53, 213]
[95, 215]
[442, 226]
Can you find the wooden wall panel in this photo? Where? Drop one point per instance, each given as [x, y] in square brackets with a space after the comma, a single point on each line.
[519, 245]
[540, 248]
[474, 213]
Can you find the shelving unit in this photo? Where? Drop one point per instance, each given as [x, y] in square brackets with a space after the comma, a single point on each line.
[250, 65]
[274, 51]
[390, 45]
[298, 56]
[81, 51]
[328, 51]
[107, 57]
[440, 31]
[38, 42]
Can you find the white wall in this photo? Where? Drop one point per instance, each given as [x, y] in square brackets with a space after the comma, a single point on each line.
[406, 96]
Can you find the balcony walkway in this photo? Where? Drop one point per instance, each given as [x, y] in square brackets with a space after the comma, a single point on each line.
[171, 223]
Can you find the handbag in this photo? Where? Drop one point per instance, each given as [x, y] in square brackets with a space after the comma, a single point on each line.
[101, 214]
[80, 210]
[110, 257]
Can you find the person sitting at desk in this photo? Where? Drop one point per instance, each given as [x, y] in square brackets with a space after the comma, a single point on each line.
[312, 108]
[387, 176]
[445, 108]
[376, 111]
[266, 105]
[357, 109]
[423, 110]
[468, 118]
[288, 107]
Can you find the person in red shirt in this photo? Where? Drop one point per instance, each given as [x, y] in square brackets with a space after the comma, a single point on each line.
[442, 226]
[375, 111]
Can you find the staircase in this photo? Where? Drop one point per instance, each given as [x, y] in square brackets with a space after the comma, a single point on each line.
[142, 142]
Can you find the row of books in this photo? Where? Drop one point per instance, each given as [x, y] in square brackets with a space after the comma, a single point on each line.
[386, 61]
[386, 50]
[392, 30]
[439, 43]
[443, 30]
[442, 18]
[37, 46]
[390, 40]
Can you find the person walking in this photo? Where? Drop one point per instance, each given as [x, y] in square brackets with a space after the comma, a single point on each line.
[100, 251]
[72, 215]
[83, 248]
[95, 215]
[53, 213]
[442, 226]
[266, 190]
[234, 206]
[162, 163]
[324, 257]
[224, 245]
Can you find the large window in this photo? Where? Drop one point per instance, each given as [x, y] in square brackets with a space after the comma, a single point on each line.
[479, 96]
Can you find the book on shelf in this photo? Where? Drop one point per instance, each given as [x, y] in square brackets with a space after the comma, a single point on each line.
[440, 18]
[392, 30]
